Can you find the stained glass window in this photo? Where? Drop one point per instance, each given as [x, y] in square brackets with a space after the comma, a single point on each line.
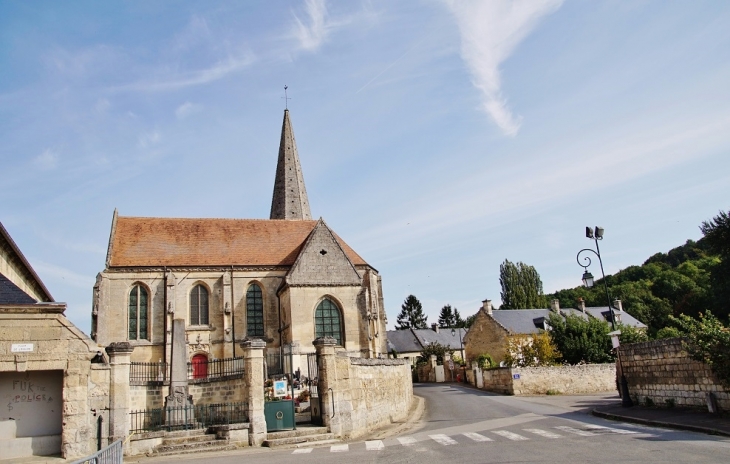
[138, 313]
[199, 306]
[327, 321]
[254, 311]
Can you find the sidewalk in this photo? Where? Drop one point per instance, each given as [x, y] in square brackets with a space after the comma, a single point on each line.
[673, 418]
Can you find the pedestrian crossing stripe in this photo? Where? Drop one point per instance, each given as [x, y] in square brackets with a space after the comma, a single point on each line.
[374, 445]
[582, 433]
[600, 428]
[543, 433]
[339, 448]
[302, 450]
[443, 439]
[476, 436]
[407, 441]
[510, 435]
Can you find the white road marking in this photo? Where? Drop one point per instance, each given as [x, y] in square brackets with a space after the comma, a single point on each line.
[543, 433]
[407, 441]
[510, 435]
[443, 439]
[600, 428]
[476, 436]
[582, 433]
[302, 450]
[339, 448]
[374, 445]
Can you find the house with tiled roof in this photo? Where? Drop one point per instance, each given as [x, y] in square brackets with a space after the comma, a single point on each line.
[286, 280]
[409, 343]
[491, 329]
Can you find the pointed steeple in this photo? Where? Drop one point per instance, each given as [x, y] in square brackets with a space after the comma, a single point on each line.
[290, 196]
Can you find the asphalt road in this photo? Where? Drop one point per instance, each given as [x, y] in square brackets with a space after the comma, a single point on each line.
[466, 425]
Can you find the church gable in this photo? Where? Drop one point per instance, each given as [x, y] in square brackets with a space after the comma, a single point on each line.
[322, 262]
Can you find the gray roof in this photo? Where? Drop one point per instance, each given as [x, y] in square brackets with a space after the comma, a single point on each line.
[521, 321]
[622, 317]
[12, 294]
[412, 340]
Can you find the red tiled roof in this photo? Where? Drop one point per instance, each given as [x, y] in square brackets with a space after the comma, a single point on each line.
[139, 241]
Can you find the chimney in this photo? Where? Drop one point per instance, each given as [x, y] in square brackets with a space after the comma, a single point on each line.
[555, 306]
[617, 304]
[435, 327]
[582, 304]
[487, 305]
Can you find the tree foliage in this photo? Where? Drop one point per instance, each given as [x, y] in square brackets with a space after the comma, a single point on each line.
[411, 315]
[717, 236]
[434, 348]
[581, 340]
[450, 317]
[521, 286]
[707, 340]
[538, 350]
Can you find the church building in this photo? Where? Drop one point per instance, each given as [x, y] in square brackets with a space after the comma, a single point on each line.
[286, 280]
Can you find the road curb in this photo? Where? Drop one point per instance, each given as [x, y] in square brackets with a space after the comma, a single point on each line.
[662, 424]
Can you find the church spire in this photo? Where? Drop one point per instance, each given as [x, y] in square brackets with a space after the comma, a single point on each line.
[290, 196]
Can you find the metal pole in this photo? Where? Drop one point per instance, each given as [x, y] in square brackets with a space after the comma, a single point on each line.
[605, 286]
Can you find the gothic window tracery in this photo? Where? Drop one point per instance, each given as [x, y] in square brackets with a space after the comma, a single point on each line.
[254, 311]
[328, 321]
[199, 305]
[138, 313]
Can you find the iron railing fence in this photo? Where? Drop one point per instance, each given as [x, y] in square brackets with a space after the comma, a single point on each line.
[112, 454]
[144, 373]
[199, 416]
[216, 370]
[156, 373]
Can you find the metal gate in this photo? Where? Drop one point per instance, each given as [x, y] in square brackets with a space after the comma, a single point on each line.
[313, 379]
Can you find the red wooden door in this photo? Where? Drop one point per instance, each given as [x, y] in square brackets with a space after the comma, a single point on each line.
[200, 366]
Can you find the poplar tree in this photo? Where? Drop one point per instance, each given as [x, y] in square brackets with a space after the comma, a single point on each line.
[521, 286]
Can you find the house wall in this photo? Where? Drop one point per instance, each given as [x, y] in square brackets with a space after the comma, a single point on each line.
[663, 372]
[485, 336]
[12, 268]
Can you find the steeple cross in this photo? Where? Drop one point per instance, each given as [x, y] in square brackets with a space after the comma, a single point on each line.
[286, 99]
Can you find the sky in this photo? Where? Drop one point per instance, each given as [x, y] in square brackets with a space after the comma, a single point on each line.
[438, 138]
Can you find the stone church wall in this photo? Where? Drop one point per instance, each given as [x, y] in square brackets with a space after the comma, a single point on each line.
[660, 372]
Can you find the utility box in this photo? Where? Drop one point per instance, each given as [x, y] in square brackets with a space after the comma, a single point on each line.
[279, 415]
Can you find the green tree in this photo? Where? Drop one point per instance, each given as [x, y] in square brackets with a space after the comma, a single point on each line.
[434, 348]
[581, 340]
[469, 320]
[411, 315]
[446, 317]
[458, 321]
[717, 235]
[521, 286]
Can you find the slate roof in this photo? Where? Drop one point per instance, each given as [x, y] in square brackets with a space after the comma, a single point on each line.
[140, 241]
[12, 294]
[521, 321]
[410, 340]
[622, 317]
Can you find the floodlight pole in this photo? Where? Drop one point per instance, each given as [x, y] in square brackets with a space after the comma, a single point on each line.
[596, 235]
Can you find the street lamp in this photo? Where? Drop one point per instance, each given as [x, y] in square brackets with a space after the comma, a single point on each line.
[595, 235]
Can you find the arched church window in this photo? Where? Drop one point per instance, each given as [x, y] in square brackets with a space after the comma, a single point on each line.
[327, 321]
[254, 311]
[199, 305]
[138, 313]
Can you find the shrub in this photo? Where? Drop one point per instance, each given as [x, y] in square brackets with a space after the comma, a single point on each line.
[485, 361]
[707, 340]
[538, 350]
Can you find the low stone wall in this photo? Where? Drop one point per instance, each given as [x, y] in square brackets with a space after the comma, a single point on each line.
[663, 373]
[224, 391]
[585, 378]
[368, 394]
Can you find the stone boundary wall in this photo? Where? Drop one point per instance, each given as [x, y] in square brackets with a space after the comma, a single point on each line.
[584, 378]
[665, 374]
[224, 391]
[369, 393]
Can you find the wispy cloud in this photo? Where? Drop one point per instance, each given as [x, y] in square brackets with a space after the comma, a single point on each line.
[47, 160]
[313, 31]
[149, 139]
[490, 32]
[186, 109]
[67, 276]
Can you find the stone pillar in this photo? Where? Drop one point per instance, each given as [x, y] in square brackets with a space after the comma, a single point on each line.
[178, 393]
[170, 286]
[325, 347]
[253, 374]
[119, 354]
